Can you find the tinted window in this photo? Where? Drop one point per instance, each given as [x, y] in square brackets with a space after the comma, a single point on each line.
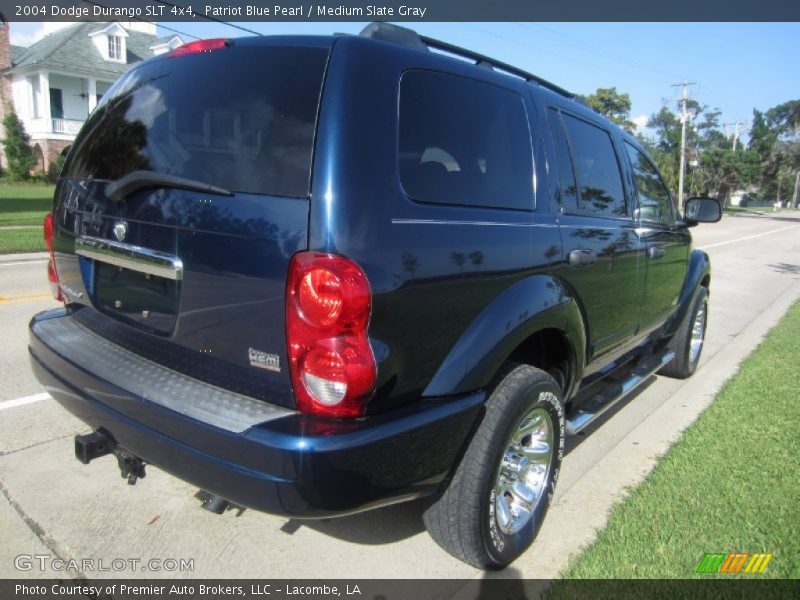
[566, 174]
[464, 142]
[654, 201]
[596, 168]
[241, 118]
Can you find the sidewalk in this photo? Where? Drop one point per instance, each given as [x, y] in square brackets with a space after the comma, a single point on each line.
[23, 257]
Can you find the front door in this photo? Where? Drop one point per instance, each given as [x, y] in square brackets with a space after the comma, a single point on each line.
[667, 242]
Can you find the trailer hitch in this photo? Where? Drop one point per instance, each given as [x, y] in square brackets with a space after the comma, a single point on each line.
[130, 466]
[97, 444]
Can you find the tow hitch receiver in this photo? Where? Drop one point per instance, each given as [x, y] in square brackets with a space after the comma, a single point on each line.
[97, 444]
[91, 446]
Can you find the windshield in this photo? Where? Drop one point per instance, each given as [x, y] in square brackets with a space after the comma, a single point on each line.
[240, 118]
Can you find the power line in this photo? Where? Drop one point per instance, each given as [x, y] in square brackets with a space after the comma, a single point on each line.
[174, 30]
[146, 21]
[564, 57]
[220, 21]
[595, 49]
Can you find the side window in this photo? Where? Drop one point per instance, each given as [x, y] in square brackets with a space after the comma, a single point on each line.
[600, 188]
[566, 172]
[654, 200]
[464, 142]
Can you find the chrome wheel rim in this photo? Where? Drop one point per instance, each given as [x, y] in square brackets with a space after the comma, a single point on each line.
[524, 471]
[698, 334]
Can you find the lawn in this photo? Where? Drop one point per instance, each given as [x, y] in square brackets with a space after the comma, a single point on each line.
[22, 209]
[731, 484]
[754, 209]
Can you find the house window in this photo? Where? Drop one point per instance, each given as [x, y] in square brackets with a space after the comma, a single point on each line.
[56, 103]
[114, 47]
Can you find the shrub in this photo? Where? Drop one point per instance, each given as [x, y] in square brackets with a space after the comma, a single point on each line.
[19, 153]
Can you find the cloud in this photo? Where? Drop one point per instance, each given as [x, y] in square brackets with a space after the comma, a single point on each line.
[640, 122]
[25, 34]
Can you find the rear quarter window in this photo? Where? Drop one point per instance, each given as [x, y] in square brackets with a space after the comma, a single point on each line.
[597, 169]
[464, 142]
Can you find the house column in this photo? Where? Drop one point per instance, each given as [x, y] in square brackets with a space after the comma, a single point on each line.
[44, 99]
[92, 92]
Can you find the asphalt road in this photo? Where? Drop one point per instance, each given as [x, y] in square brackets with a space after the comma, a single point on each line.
[52, 505]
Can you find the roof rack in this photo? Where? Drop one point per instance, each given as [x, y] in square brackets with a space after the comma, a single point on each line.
[389, 32]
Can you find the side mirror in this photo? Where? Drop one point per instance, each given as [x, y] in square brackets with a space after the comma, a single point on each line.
[702, 210]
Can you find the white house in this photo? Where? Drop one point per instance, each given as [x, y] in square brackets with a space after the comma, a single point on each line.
[55, 83]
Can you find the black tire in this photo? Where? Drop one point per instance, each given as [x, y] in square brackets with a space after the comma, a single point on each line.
[683, 365]
[463, 518]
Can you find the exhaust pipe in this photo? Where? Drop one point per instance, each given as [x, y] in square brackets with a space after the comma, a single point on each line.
[212, 502]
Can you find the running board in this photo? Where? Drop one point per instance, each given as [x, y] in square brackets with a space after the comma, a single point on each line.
[609, 396]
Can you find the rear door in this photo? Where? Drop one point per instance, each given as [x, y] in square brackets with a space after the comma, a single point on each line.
[602, 251]
[182, 201]
[666, 241]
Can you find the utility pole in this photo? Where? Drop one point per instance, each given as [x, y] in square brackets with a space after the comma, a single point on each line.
[684, 118]
[794, 196]
[735, 126]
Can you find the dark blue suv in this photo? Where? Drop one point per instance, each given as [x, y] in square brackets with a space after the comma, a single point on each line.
[317, 275]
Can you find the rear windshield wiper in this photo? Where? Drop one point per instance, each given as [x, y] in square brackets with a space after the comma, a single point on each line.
[121, 188]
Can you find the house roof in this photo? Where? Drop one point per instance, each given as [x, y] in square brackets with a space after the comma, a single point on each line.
[71, 49]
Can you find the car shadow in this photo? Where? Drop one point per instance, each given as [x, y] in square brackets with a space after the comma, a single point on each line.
[374, 527]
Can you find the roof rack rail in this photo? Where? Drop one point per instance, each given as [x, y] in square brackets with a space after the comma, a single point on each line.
[404, 36]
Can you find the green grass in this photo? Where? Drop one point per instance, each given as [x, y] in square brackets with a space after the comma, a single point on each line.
[754, 209]
[21, 240]
[731, 484]
[23, 205]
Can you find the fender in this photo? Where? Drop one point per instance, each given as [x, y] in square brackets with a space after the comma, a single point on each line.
[699, 269]
[530, 305]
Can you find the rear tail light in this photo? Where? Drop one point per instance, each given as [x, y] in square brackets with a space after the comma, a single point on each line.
[52, 273]
[201, 46]
[328, 303]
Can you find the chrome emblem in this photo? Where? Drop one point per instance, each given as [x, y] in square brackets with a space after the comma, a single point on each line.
[120, 230]
[264, 360]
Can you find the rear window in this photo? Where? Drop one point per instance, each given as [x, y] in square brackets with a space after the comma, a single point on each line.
[240, 118]
[464, 142]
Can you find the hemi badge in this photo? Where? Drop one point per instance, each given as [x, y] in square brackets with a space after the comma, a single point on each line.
[264, 360]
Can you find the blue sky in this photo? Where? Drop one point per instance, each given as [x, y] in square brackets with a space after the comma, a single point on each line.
[738, 66]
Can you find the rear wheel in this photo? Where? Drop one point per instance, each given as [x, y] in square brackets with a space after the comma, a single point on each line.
[689, 340]
[497, 500]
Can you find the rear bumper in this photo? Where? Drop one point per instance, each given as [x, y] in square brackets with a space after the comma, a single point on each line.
[288, 464]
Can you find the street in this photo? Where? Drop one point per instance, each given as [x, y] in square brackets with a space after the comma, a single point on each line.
[52, 505]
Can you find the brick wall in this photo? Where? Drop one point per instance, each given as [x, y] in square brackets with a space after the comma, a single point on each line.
[6, 97]
[51, 149]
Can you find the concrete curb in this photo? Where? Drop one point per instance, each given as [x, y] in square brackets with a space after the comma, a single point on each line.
[23, 257]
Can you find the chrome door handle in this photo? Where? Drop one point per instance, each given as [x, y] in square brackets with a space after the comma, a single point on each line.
[581, 258]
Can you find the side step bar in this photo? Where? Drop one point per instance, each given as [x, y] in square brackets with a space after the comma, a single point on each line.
[590, 410]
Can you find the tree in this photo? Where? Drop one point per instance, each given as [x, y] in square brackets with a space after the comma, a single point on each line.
[613, 105]
[775, 137]
[410, 263]
[19, 153]
[458, 259]
[719, 170]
